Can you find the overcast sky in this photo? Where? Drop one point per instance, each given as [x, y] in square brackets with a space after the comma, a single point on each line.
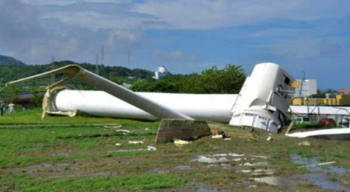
[184, 35]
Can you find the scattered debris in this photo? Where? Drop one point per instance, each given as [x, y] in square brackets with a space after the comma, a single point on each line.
[304, 143]
[217, 136]
[227, 139]
[113, 126]
[269, 138]
[135, 142]
[319, 164]
[117, 144]
[123, 131]
[332, 134]
[179, 142]
[169, 130]
[151, 148]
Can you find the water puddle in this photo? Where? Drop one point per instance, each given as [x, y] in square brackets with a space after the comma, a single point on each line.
[183, 168]
[324, 175]
[200, 187]
[313, 164]
[241, 163]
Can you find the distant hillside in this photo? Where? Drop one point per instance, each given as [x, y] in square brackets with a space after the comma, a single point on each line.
[114, 73]
[6, 60]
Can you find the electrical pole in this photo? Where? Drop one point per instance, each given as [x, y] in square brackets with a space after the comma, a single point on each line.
[97, 65]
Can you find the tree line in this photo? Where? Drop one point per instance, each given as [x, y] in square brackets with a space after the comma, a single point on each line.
[213, 80]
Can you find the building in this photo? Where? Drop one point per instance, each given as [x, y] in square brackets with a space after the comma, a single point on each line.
[344, 91]
[306, 88]
[341, 100]
[161, 72]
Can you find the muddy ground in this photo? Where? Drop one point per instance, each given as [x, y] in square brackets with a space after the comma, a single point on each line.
[85, 158]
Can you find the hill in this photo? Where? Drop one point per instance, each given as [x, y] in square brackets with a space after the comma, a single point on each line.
[114, 73]
[6, 60]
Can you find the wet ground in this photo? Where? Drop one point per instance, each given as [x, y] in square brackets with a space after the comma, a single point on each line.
[52, 155]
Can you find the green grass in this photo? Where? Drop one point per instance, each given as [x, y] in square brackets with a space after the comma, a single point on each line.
[49, 157]
[33, 116]
[25, 183]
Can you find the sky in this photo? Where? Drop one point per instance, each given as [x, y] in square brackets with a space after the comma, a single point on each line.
[185, 36]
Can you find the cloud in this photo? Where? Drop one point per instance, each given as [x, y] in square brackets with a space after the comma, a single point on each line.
[174, 56]
[210, 14]
[313, 48]
[97, 21]
[25, 37]
[70, 2]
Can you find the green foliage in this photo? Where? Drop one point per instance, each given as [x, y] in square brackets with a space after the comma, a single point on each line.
[213, 80]
[36, 100]
[14, 72]
[10, 93]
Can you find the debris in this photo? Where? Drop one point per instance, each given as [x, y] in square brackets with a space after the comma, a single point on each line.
[259, 156]
[217, 137]
[332, 134]
[113, 126]
[169, 130]
[254, 164]
[289, 127]
[146, 129]
[124, 131]
[117, 144]
[179, 142]
[269, 138]
[135, 142]
[319, 164]
[151, 148]
[227, 139]
[304, 143]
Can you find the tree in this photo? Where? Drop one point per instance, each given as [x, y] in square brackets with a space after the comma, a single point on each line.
[213, 80]
[10, 93]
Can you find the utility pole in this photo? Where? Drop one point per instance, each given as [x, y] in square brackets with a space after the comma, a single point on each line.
[97, 65]
[102, 55]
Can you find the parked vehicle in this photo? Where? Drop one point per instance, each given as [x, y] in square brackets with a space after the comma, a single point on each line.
[327, 122]
[345, 122]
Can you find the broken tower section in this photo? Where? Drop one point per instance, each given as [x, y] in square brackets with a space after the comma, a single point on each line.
[264, 98]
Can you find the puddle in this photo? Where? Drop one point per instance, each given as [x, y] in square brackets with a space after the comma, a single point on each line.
[320, 176]
[256, 166]
[200, 187]
[323, 181]
[312, 164]
[277, 181]
[318, 179]
[206, 159]
[183, 168]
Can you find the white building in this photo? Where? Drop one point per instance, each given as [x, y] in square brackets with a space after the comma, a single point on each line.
[161, 72]
[306, 88]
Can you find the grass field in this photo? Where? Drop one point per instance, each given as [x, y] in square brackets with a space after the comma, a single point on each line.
[86, 154]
